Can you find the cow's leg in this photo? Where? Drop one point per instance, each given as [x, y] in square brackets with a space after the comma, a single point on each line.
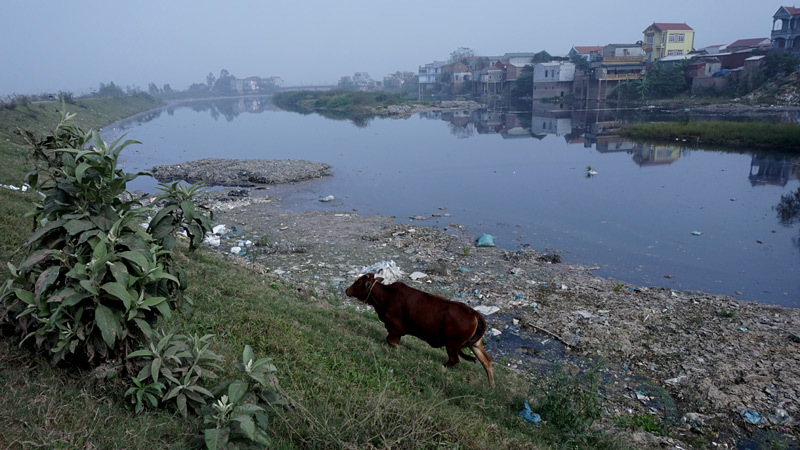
[485, 359]
[452, 355]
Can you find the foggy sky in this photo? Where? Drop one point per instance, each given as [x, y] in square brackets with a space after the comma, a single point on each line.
[52, 45]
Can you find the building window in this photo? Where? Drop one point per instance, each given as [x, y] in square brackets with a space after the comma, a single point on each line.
[679, 52]
[670, 52]
[681, 37]
[649, 39]
[672, 37]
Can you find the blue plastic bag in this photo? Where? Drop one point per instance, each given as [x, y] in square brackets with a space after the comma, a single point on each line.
[485, 240]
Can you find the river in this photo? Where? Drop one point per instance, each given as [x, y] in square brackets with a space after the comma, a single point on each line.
[653, 215]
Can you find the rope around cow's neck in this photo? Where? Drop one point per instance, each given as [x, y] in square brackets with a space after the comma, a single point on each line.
[366, 300]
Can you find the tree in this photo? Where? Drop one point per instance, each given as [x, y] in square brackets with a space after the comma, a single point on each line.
[524, 86]
[167, 88]
[210, 80]
[580, 61]
[542, 57]
[153, 89]
[223, 83]
[460, 54]
[110, 90]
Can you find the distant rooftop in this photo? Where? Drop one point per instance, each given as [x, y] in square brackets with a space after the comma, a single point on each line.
[663, 26]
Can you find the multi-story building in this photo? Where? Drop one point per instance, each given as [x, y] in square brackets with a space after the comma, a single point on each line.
[786, 29]
[667, 39]
[553, 79]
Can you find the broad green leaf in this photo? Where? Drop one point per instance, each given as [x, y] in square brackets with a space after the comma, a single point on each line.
[247, 426]
[247, 409]
[139, 353]
[119, 292]
[89, 287]
[80, 171]
[164, 309]
[76, 226]
[152, 301]
[34, 259]
[188, 210]
[41, 232]
[247, 354]
[137, 258]
[236, 391]
[215, 439]
[45, 280]
[25, 296]
[108, 324]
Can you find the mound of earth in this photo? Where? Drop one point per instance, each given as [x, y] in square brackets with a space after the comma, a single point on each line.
[236, 172]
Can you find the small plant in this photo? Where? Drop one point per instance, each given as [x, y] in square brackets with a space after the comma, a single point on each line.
[645, 422]
[465, 249]
[144, 394]
[618, 287]
[240, 414]
[181, 362]
[571, 403]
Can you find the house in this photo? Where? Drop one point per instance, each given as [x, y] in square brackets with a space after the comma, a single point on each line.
[590, 52]
[553, 79]
[619, 62]
[667, 39]
[490, 80]
[515, 62]
[430, 72]
[786, 29]
[760, 44]
[711, 49]
[704, 66]
[456, 75]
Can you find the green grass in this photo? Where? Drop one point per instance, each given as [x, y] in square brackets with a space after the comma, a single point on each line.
[348, 388]
[736, 134]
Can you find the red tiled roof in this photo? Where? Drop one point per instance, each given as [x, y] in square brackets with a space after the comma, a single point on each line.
[749, 42]
[584, 49]
[671, 26]
[792, 10]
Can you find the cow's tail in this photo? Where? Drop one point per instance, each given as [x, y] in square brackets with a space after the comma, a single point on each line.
[479, 330]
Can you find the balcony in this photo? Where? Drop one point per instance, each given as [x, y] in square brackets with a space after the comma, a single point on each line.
[611, 60]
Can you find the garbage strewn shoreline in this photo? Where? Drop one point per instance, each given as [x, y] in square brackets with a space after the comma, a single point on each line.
[715, 357]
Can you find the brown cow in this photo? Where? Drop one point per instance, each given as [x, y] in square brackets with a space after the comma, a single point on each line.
[435, 320]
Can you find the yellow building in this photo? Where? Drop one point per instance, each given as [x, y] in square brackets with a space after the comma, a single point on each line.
[667, 39]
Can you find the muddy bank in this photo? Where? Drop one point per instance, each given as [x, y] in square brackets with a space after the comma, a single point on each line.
[235, 172]
[708, 364]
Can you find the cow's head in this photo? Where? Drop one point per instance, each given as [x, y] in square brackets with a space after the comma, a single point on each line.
[362, 287]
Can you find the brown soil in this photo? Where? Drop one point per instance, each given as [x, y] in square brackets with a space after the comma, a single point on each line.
[698, 360]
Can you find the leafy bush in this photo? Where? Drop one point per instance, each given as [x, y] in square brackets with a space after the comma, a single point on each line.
[93, 281]
[240, 412]
[175, 364]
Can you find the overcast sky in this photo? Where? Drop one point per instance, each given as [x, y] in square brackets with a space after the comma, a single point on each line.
[52, 45]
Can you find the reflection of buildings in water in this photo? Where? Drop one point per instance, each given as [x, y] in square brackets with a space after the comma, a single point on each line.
[773, 170]
[656, 154]
[551, 125]
[611, 144]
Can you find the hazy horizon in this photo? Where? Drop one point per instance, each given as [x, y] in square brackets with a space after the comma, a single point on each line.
[53, 45]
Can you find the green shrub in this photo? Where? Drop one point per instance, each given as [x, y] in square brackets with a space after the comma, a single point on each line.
[93, 281]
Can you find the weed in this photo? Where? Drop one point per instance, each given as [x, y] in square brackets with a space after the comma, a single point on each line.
[465, 249]
[642, 421]
[618, 287]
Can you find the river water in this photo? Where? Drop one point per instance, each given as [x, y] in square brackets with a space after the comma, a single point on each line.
[653, 215]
